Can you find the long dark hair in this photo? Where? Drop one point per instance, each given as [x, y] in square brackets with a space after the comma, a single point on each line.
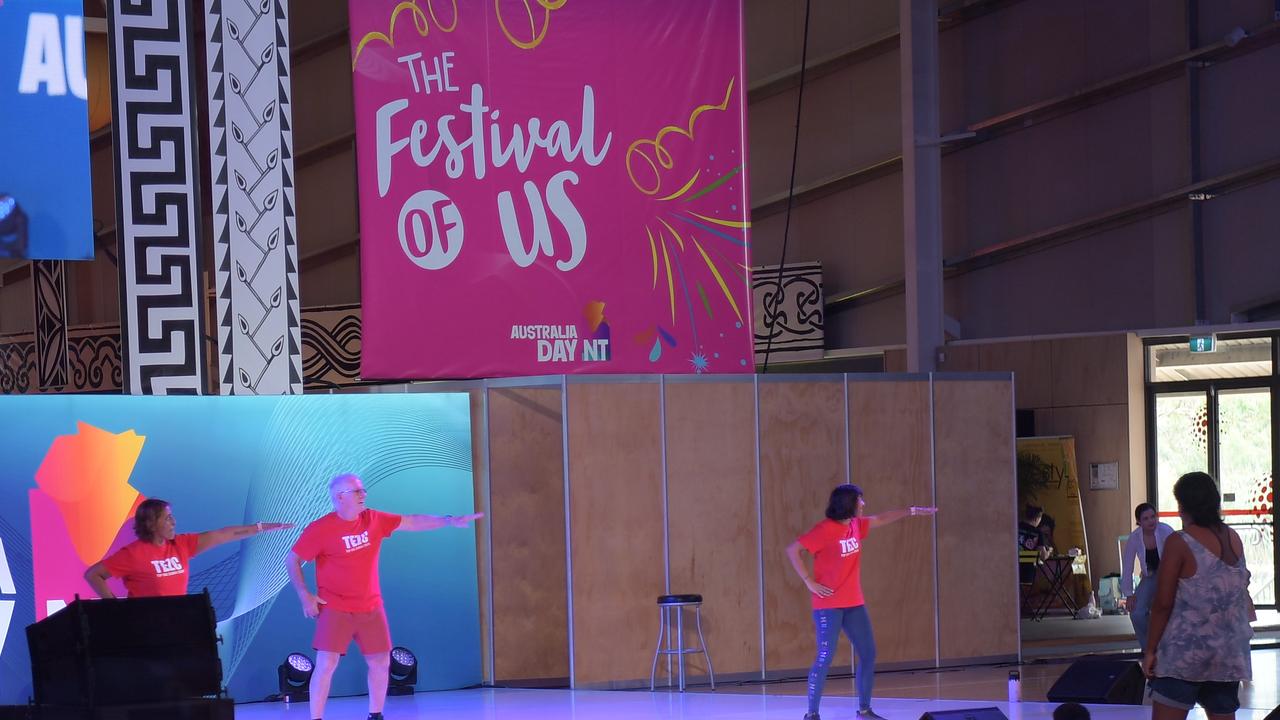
[1198, 497]
[844, 502]
[146, 521]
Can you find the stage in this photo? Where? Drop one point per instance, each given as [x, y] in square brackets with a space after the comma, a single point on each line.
[734, 704]
[899, 696]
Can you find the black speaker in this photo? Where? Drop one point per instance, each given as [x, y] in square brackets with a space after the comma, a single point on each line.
[95, 653]
[1101, 682]
[987, 713]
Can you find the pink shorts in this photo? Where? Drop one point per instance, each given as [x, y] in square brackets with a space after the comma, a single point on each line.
[335, 630]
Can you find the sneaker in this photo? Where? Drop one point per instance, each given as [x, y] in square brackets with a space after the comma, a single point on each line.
[869, 714]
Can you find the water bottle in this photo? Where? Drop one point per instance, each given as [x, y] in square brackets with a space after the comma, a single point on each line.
[1015, 687]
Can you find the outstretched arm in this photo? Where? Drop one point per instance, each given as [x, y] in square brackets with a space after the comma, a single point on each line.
[433, 522]
[97, 576]
[310, 602]
[214, 538]
[890, 516]
[797, 562]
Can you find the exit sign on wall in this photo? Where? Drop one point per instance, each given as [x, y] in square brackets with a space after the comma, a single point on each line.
[1202, 344]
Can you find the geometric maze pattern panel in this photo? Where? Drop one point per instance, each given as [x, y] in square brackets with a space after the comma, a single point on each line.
[157, 196]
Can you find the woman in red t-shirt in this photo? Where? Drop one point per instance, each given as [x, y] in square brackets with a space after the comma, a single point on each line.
[157, 563]
[836, 588]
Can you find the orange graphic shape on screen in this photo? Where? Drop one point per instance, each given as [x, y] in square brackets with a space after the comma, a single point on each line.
[87, 476]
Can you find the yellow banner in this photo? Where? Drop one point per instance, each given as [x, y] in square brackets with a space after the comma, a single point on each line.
[1047, 478]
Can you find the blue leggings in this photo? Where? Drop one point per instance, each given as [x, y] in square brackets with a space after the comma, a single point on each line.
[856, 624]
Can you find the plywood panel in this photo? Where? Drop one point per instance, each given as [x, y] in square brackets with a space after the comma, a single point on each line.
[1091, 370]
[802, 457]
[711, 511]
[526, 478]
[891, 462]
[977, 527]
[615, 494]
[961, 358]
[1032, 368]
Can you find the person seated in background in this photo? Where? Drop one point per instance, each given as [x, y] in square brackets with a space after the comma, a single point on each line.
[1029, 536]
[1142, 551]
[1047, 526]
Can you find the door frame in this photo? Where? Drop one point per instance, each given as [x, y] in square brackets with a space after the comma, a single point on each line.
[1211, 388]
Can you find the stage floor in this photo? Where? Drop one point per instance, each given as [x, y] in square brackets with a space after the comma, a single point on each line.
[902, 695]
[511, 704]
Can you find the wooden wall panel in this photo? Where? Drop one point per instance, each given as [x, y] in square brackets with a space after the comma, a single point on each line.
[526, 478]
[1032, 368]
[615, 495]
[802, 457]
[1091, 370]
[974, 470]
[890, 460]
[711, 515]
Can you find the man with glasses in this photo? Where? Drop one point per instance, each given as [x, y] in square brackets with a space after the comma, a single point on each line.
[347, 603]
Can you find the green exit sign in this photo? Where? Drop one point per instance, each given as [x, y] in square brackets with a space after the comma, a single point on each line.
[1202, 344]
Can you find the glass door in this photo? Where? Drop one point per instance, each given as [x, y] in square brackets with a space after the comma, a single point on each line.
[1182, 444]
[1245, 478]
[1214, 411]
[1226, 433]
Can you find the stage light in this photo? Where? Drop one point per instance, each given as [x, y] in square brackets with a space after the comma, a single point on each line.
[294, 675]
[404, 672]
[13, 228]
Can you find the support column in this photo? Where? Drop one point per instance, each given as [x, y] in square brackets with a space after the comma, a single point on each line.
[921, 182]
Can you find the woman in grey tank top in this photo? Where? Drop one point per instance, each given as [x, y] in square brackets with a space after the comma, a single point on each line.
[1198, 644]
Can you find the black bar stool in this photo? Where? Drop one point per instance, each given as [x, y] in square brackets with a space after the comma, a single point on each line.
[675, 605]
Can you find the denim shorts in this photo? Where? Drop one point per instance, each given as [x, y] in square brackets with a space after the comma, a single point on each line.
[1217, 698]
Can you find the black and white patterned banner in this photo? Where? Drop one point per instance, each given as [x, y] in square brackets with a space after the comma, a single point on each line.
[788, 312]
[50, 283]
[157, 196]
[255, 250]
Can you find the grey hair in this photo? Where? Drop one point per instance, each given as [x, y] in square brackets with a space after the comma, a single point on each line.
[338, 480]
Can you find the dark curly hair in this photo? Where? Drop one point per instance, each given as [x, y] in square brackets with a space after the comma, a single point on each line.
[146, 521]
[844, 502]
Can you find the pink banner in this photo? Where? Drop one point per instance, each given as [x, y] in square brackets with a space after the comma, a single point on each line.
[551, 186]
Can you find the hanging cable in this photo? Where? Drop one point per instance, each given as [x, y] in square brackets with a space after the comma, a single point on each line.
[771, 313]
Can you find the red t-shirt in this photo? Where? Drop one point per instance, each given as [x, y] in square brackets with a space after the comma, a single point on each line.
[150, 570]
[346, 555]
[837, 560]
